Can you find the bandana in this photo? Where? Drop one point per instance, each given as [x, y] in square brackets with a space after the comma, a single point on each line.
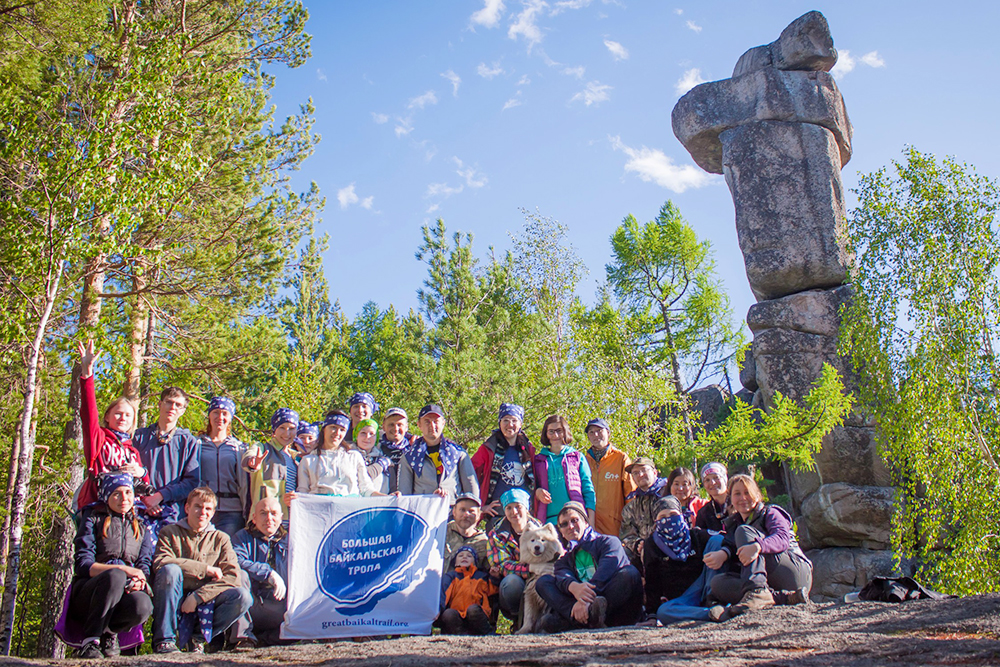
[450, 455]
[283, 416]
[673, 537]
[511, 410]
[366, 398]
[515, 496]
[365, 422]
[500, 456]
[338, 420]
[716, 467]
[653, 490]
[108, 482]
[122, 436]
[307, 428]
[222, 403]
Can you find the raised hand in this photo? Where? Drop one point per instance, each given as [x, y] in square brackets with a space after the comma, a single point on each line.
[87, 358]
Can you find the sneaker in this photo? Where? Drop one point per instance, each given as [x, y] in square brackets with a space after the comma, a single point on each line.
[167, 646]
[109, 645]
[598, 613]
[90, 650]
[196, 647]
[757, 598]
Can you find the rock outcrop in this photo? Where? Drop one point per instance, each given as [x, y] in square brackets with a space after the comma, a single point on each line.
[778, 131]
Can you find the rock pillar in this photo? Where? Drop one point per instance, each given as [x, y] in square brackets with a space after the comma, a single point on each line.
[778, 130]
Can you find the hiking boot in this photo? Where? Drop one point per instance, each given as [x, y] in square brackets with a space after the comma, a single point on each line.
[167, 646]
[90, 650]
[109, 645]
[477, 621]
[757, 598]
[553, 623]
[718, 614]
[798, 596]
[597, 615]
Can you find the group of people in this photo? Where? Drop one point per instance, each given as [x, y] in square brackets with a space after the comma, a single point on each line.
[193, 530]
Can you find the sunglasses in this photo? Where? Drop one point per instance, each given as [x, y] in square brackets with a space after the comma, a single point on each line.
[573, 521]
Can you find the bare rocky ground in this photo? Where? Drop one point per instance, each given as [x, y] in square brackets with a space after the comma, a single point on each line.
[950, 632]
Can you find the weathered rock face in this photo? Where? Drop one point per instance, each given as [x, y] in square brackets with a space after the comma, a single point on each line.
[708, 404]
[748, 373]
[838, 571]
[779, 132]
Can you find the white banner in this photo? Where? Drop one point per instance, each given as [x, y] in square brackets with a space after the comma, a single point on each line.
[364, 566]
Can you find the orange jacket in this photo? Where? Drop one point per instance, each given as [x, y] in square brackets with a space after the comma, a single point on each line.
[464, 587]
[611, 485]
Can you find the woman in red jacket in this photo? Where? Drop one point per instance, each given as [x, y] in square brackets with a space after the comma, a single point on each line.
[107, 444]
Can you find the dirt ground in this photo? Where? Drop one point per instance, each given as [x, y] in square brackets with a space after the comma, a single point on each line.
[950, 632]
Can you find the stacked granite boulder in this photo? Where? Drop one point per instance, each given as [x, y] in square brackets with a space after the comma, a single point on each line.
[778, 131]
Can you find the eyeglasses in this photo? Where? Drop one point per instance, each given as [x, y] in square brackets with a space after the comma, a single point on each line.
[572, 521]
[554, 431]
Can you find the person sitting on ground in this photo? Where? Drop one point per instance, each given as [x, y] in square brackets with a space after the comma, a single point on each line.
[361, 406]
[765, 564]
[593, 585]
[393, 443]
[465, 596]
[503, 462]
[377, 465]
[195, 565]
[463, 530]
[172, 455]
[332, 469]
[221, 466]
[714, 477]
[261, 551]
[611, 483]
[671, 555]
[639, 515]
[561, 473]
[272, 466]
[107, 446]
[306, 437]
[681, 485]
[505, 551]
[435, 464]
[112, 556]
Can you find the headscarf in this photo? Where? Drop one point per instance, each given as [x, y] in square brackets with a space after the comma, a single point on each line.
[108, 482]
[365, 422]
[306, 427]
[511, 410]
[222, 403]
[515, 495]
[282, 416]
[338, 420]
[366, 398]
[717, 468]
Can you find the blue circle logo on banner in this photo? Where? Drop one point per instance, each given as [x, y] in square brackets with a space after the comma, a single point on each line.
[368, 555]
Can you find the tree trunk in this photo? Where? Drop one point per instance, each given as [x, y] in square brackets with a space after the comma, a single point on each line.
[144, 377]
[137, 339]
[26, 451]
[8, 498]
[675, 372]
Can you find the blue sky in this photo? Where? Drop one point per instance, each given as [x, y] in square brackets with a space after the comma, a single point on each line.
[469, 110]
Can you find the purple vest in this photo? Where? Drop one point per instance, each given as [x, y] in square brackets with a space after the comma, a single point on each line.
[571, 472]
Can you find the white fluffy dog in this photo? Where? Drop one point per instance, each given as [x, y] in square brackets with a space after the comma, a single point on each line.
[540, 548]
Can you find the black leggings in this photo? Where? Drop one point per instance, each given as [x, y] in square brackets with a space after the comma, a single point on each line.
[102, 605]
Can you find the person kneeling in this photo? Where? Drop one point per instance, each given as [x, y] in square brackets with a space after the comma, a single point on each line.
[465, 596]
[261, 550]
[196, 571]
[594, 585]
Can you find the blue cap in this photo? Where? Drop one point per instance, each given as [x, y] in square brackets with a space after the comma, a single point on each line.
[597, 422]
[431, 409]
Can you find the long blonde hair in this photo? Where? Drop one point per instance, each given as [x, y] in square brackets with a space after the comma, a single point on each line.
[114, 404]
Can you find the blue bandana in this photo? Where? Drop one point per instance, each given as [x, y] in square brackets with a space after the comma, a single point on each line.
[366, 398]
[123, 437]
[108, 482]
[306, 427]
[673, 536]
[516, 495]
[283, 416]
[339, 420]
[222, 403]
[511, 410]
[653, 490]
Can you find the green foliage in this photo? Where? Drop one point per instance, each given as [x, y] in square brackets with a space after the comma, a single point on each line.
[922, 331]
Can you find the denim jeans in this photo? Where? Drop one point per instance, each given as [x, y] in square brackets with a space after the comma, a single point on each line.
[511, 591]
[168, 594]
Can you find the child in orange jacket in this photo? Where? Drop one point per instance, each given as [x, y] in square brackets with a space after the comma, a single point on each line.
[465, 597]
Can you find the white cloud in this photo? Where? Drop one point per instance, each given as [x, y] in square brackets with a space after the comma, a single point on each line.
[563, 5]
[679, 12]
[616, 49]
[652, 165]
[489, 72]
[346, 196]
[403, 126]
[455, 79]
[321, 75]
[443, 190]
[524, 25]
[524, 81]
[577, 71]
[691, 78]
[473, 178]
[873, 59]
[420, 101]
[433, 207]
[594, 93]
[489, 15]
[367, 202]
[693, 26]
[512, 102]
[380, 118]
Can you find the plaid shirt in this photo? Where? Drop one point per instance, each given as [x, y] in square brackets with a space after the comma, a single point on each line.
[504, 549]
